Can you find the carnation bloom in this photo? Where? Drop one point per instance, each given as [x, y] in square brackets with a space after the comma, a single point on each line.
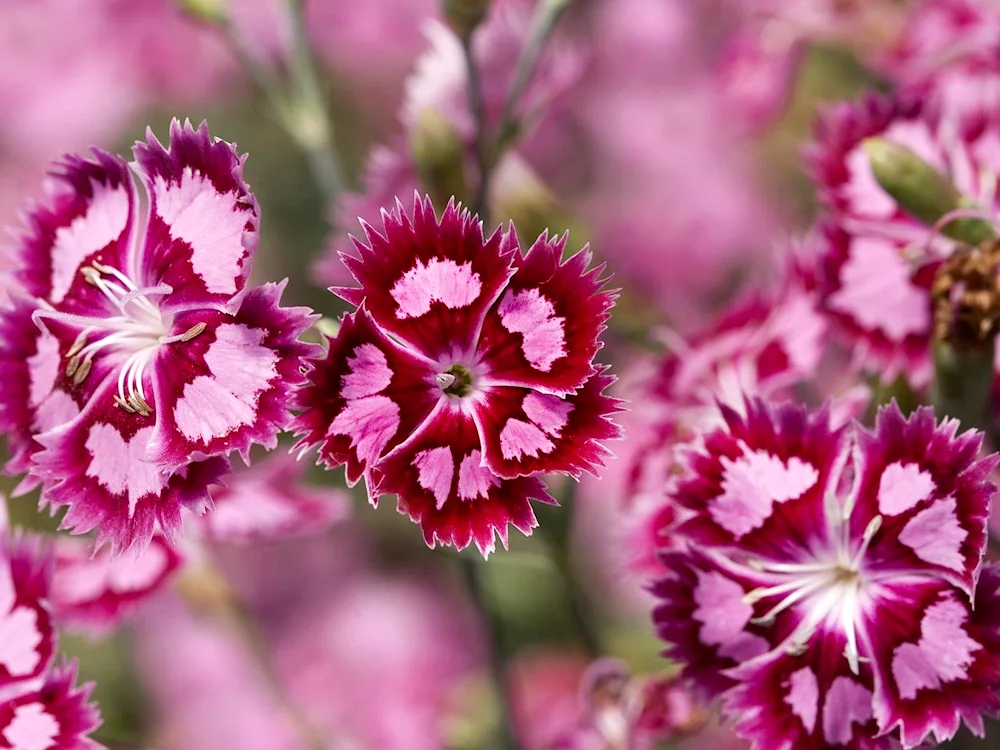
[39, 705]
[466, 370]
[830, 585]
[271, 501]
[94, 592]
[56, 715]
[620, 710]
[27, 636]
[880, 261]
[949, 54]
[152, 358]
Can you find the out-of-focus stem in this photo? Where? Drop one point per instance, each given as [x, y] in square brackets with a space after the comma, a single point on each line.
[489, 151]
[310, 120]
[962, 384]
[298, 103]
[480, 201]
[558, 548]
[206, 591]
[543, 23]
[472, 573]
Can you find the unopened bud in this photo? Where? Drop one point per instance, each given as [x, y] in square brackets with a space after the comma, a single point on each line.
[465, 15]
[438, 157]
[921, 190]
[211, 11]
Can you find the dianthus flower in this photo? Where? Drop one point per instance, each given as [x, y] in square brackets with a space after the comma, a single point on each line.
[763, 346]
[27, 635]
[949, 55]
[151, 359]
[466, 370]
[39, 705]
[830, 584]
[93, 592]
[880, 261]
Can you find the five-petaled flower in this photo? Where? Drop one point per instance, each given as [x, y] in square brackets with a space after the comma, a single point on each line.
[135, 355]
[830, 587]
[466, 370]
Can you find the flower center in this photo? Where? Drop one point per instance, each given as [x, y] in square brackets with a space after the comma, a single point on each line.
[831, 590]
[455, 381]
[139, 329]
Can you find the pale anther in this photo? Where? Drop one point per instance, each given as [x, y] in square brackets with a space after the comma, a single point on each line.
[193, 331]
[82, 371]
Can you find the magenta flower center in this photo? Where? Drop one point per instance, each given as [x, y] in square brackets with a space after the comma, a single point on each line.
[137, 331]
[833, 587]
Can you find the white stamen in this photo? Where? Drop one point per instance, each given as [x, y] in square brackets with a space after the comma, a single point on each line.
[139, 328]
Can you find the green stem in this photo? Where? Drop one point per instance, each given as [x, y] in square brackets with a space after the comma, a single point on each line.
[472, 572]
[315, 134]
[298, 103]
[474, 90]
[962, 384]
[555, 537]
[543, 23]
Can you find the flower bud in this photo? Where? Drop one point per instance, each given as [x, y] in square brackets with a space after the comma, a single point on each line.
[922, 191]
[437, 155]
[211, 11]
[465, 15]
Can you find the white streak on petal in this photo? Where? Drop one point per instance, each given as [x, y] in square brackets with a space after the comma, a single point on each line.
[214, 406]
[105, 219]
[127, 574]
[370, 423]
[721, 609]
[43, 368]
[209, 222]
[441, 280]
[519, 438]
[903, 486]
[846, 702]
[20, 638]
[122, 467]
[551, 413]
[435, 472]
[58, 409]
[369, 373]
[474, 479]
[876, 291]
[935, 535]
[32, 728]
[528, 312]
[751, 486]
[943, 654]
[803, 697]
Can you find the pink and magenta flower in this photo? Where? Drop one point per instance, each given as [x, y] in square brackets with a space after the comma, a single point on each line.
[39, 705]
[466, 370]
[58, 715]
[880, 262]
[829, 582]
[152, 359]
[94, 592]
[27, 634]
[271, 501]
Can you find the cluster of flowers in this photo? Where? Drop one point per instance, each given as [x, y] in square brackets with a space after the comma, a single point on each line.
[138, 359]
[826, 581]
